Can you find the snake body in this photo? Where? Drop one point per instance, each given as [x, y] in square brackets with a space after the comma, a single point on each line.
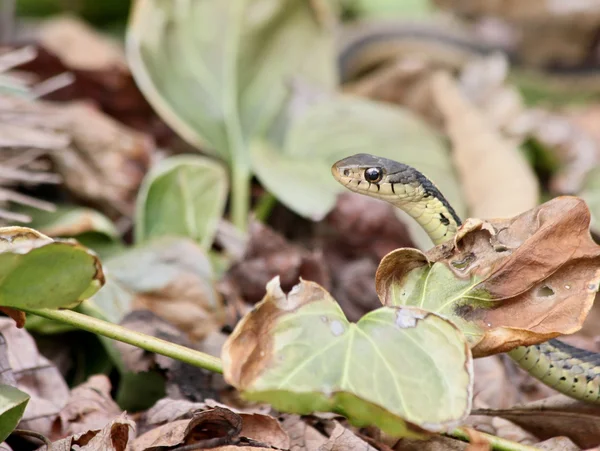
[569, 370]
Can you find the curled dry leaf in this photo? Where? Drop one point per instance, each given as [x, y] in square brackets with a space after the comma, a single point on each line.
[497, 180]
[65, 273]
[505, 282]
[90, 407]
[207, 429]
[300, 354]
[554, 416]
[267, 255]
[24, 367]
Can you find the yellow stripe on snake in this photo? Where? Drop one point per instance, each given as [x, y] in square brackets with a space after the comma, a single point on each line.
[569, 370]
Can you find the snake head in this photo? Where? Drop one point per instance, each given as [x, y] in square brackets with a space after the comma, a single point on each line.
[363, 173]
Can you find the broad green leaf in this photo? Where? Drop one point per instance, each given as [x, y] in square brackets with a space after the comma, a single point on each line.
[502, 281]
[89, 227]
[182, 196]
[12, 405]
[218, 71]
[404, 370]
[38, 272]
[299, 174]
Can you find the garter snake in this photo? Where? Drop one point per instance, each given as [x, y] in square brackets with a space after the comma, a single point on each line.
[569, 370]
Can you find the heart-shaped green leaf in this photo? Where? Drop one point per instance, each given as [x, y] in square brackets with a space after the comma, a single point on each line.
[299, 174]
[182, 196]
[12, 405]
[404, 370]
[38, 272]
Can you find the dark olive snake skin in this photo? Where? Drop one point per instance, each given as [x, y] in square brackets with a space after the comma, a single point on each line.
[569, 370]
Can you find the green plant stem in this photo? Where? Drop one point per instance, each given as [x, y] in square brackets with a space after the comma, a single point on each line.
[116, 332]
[240, 196]
[264, 206]
[497, 443]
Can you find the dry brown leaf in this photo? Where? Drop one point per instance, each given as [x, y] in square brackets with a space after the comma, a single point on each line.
[209, 428]
[255, 426]
[104, 161]
[90, 407]
[558, 444]
[79, 46]
[496, 179]
[435, 443]
[303, 437]
[554, 416]
[115, 436]
[534, 276]
[342, 439]
[491, 380]
[36, 376]
[267, 255]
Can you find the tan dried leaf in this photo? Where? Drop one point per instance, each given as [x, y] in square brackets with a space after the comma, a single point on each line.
[36, 376]
[496, 179]
[342, 439]
[115, 436]
[90, 407]
[505, 282]
[209, 428]
[554, 416]
[303, 437]
[103, 161]
[79, 46]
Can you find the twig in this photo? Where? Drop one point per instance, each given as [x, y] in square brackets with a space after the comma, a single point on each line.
[119, 333]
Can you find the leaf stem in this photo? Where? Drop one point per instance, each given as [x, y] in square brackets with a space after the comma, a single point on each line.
[116, 332]
[240, 196]
[497, 443]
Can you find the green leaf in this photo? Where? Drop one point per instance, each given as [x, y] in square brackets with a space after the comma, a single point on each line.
[38, 272]
[12, 405]
[89, 227]
[403, 370]
[299, 174]
[182, 196]
[218, 71]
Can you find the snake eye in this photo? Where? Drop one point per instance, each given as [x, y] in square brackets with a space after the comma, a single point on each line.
[373, 175]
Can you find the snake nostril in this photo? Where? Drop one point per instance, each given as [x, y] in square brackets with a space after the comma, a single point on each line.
[346, 172]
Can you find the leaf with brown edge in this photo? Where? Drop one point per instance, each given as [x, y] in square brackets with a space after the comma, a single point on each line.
[402, 369]
[504, 282]
[39, 272]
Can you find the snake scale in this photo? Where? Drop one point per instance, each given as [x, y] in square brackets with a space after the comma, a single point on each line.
[569, 370]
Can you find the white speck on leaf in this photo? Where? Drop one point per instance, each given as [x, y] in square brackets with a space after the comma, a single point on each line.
[406, 318]
[337, 328]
